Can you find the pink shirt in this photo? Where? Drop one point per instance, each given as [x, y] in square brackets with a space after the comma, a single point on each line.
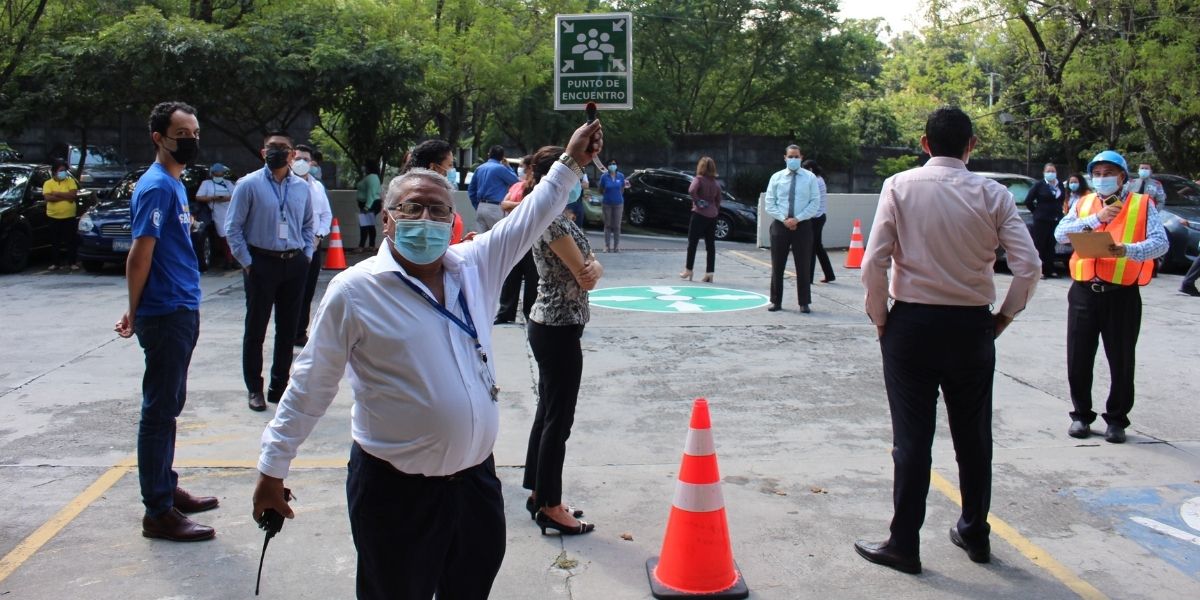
[937, 228]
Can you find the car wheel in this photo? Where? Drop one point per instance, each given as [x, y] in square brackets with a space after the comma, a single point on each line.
[637, 215]
[723, 229]
[14, 256]
[92, 266]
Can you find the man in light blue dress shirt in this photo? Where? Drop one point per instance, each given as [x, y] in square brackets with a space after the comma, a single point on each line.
[793, 199]
[270, 232]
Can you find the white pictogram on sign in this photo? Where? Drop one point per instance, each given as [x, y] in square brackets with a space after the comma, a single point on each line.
[593, 45]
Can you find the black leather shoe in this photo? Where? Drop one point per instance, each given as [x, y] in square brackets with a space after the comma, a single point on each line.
[173, 525]
[187, 503]
[274, 394]
[880, 554]
[256, 402]
[1115, 435]
[773, 308]
[1079, 429]
[980, 553]
[805, 309]
[1191, 291]
[301, 341]
[503, 321]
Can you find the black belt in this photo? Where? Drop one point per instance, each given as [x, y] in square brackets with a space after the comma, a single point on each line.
[1101, 287]
[951, 307]
[280, 254]
[491, 201]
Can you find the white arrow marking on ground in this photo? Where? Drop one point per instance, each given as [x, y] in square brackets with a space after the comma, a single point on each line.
[618, 64]
[1190, 511]
[568, 27]
[618, 298]
[617, 25]
[664, 290]
[568, 65]
[686, 307]
[1167, 529]
[732, 297]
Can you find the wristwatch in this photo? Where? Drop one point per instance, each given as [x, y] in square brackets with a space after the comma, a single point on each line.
[571, 164]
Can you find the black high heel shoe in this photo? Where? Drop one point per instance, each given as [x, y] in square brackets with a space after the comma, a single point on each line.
[545, 522]
[533, 510]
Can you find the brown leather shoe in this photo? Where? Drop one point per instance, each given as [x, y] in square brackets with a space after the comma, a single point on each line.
[172, 525]
[187, 503]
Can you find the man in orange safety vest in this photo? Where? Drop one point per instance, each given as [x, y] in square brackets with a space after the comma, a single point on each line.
[1104, 302]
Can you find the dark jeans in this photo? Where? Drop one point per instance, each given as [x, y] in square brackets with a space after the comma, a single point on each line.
[366, 237]
[925, 348]
[168, 341]
[1116, 318]
[819, 253]
[1043, 240]
[63, 236]
[417, 536]
[524, 271]
[560, 367]
[310, 290]
[273, 283]
[798, 242]
[1189, 280]
[702, 227]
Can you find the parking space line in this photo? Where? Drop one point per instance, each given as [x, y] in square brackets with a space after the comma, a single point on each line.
[1036, 554]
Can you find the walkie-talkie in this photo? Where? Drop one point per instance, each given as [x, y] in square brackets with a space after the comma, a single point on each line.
[272, 523]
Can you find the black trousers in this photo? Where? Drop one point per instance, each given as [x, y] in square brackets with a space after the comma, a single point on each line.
[819, 253]
[310, 290]
[799, 243]
[417, 536]
[952, 348]
[1116, 318]
[64, 238]
[702, 227]
[524, 271]
[1193, 273]
[1043, 240]
[272, 284]
[560, 367]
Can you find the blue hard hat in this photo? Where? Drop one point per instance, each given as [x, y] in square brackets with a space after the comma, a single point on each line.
[1109, 156]
[218, 168]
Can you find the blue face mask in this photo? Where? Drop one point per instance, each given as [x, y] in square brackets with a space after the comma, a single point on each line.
[421, 241]
[793, 164]
[315, 172]
[612, 168]
[1106, 186]
[452, 177]
[1143, 173]
[1074, 185]
[60, 175]
[573, 195]
[218, 179]
[1050, 176]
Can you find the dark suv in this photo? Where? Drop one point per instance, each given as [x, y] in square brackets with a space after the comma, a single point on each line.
[23, 221]
[660, 197]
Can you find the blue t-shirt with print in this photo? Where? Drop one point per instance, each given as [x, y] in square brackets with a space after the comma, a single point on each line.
[159, 210]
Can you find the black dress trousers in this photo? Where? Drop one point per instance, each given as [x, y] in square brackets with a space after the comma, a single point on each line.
[277, 284]
[799, 243]
[1114, 316]
[951, 348]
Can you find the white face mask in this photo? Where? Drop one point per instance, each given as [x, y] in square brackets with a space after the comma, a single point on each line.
[301, 167]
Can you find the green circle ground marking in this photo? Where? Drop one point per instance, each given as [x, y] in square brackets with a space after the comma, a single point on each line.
[676, 299]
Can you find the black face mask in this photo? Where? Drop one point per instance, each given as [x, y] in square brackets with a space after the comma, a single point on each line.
[277, 158]
[186, 149]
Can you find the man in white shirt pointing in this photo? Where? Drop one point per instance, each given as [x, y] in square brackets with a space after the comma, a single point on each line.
[411, 327]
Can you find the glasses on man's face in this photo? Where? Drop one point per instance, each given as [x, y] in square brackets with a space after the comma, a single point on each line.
[415, 210]
[284, 147]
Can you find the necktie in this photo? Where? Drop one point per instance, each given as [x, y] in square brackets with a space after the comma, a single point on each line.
[792, 198]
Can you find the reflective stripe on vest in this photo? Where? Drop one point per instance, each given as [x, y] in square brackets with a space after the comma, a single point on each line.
[1127, 228]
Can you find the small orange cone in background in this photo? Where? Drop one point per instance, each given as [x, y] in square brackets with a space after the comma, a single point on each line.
[696, 558]
[335, 256]
[854, 258]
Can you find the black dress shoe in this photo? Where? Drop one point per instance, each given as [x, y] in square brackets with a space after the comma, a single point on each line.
[1191, 291]
[773, 308]
[502, 321]
[301, 341]
[980, 553]
[173, 525]
[829, 280]
[274, 394]
[880, 554]
[1115, 435]
[805, 309]
[256, 402]
[1079, 429]
[187, 503]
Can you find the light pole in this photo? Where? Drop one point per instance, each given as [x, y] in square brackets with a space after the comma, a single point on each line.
[991, 88]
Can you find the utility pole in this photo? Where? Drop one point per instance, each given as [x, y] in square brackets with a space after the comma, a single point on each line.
[991, 88]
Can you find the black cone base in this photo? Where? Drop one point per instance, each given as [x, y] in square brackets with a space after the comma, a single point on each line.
[660, 591]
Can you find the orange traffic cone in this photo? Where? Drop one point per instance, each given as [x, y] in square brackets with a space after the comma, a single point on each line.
[696, 558]
[335, 256]
[854, 258]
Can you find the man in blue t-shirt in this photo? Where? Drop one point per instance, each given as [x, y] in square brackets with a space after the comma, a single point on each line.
[164, 311]
[488, 188]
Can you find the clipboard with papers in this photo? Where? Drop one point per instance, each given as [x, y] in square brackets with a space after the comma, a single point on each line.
[1092, 244]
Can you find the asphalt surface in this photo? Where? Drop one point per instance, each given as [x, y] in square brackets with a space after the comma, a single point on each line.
[800, 421]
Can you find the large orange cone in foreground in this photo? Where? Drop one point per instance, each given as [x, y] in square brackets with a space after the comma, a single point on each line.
[335, 256]
[854, 258]
[697, 559]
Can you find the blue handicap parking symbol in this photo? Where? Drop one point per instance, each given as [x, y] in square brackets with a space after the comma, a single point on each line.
[1165, 519]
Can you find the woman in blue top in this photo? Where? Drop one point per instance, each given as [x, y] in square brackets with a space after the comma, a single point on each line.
[612, 184]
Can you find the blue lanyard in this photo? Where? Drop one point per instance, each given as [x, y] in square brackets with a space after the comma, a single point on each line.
[275, 188]
[467, 325]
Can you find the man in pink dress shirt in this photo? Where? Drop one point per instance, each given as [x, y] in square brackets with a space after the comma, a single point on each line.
[937, 228]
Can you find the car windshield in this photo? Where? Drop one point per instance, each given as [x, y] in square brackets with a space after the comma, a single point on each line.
[96, 157]
[12, 183]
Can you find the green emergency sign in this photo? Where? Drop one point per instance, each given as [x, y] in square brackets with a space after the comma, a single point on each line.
[676, 299]
[593, 61]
